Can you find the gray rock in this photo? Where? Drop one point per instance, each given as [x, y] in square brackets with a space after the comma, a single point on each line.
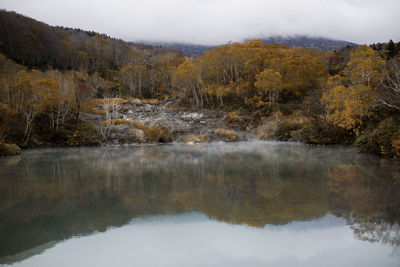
[180, 121]
[121, 127]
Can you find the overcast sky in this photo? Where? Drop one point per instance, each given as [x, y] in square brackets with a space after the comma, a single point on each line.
[220, 21]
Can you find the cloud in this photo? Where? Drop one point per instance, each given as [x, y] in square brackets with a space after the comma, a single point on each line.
[220, 21]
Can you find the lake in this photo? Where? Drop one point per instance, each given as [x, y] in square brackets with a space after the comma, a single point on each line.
[218, 204]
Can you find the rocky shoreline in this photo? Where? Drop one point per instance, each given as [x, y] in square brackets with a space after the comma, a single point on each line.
[151, 121]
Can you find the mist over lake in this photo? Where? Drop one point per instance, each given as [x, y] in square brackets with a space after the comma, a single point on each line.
[237, 204]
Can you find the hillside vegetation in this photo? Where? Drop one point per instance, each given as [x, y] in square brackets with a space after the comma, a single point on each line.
[52, 78]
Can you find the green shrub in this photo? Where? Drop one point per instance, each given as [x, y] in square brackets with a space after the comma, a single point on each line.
[282, 131]
[12, 126]
[288, 108]
[85, 134]
[9, 149]
[323, 133]
[285, 129]
[152, 133]
[155, 134]
[380, 140]
[135, 136]
[165, 135]
[281, 127]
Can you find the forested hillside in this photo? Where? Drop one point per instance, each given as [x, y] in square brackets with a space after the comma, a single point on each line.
[319, 43]
[37, 45]
[52, 78]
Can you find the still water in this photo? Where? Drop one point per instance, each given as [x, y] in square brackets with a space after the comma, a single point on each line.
[236, 204]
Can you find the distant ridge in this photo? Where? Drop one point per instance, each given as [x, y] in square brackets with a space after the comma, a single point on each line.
[319, 43]
[189, 50]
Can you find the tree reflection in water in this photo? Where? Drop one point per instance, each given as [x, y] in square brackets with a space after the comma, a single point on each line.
[369, 189]
[53, 194]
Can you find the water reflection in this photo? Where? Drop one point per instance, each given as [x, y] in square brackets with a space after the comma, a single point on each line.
[55, 194]
[371, 196]
[191, 239]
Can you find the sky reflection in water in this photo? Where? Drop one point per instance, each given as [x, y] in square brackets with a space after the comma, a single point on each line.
[192, 239]
[242, 204]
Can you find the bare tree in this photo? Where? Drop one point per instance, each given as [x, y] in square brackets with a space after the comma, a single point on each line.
[112, 107]
[60, 96]
[389, 91]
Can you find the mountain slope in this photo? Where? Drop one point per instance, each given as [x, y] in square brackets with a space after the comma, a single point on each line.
[319, 43]
[36, 44]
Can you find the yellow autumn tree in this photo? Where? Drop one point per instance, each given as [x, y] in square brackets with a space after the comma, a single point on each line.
[349, 98]
[299, 72]
[365, 67]
[133, 78]
[347, 106]
[269, 83]
[188, 81]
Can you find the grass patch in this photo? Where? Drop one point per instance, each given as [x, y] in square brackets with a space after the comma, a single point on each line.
[135, 124]
[228, 135]
[196, 138]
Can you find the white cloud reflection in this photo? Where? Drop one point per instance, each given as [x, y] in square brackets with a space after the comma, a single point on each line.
[194, 240]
